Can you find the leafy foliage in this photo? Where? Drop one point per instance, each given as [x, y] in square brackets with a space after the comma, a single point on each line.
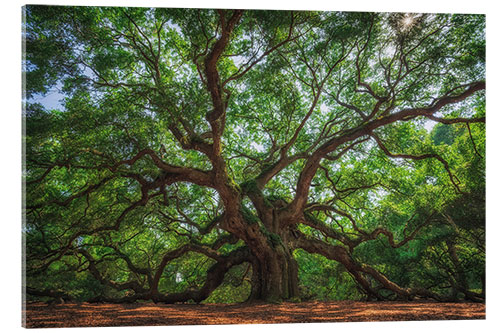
[224, 155]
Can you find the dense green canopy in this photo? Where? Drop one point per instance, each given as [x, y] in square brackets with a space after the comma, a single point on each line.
[226, 155]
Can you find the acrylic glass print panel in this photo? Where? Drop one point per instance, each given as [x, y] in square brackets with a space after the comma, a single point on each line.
[199, 166]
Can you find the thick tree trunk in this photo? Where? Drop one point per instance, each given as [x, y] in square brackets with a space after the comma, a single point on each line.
[275, 271]
[275, 279]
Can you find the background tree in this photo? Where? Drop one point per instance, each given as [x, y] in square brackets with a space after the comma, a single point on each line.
[225, 155]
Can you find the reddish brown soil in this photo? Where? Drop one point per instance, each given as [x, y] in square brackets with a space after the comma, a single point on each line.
[149, 314]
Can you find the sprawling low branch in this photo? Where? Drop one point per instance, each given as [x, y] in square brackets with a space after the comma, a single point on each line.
[177, 253]
[54, 294]
[92, 262]
[360, 272]
[215, 276]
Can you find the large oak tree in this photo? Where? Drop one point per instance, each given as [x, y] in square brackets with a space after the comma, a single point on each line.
[194, 147]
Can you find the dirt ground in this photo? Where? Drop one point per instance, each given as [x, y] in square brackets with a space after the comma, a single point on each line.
[150, 314]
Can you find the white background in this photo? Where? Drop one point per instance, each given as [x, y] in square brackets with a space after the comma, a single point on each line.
[10, 156]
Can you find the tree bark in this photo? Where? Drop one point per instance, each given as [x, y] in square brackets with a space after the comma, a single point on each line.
[275, 277]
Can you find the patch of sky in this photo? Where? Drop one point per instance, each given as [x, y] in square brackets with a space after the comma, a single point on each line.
[175, 27]
[323, 109]
[429, 125]
[188, 227]
[257, 146]
[54, 98]
[238, 60]
[431, 180]
[377, 195]
[50, 101]
[79, 240]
